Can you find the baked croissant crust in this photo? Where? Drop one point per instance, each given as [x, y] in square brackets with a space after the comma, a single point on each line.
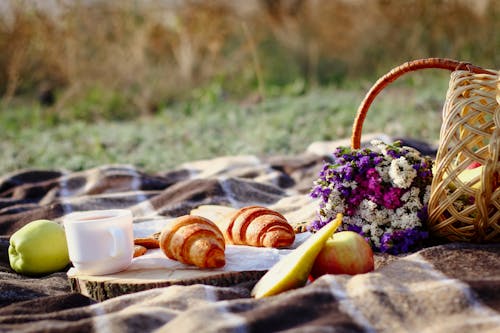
[193, 240]
[257, 226]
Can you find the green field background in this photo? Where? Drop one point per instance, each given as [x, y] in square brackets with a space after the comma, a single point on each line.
[159, 83]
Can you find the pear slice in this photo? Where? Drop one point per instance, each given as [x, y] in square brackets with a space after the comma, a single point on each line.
[293, 270]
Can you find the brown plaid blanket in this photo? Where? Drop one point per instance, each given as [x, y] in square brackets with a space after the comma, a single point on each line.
[442, 288]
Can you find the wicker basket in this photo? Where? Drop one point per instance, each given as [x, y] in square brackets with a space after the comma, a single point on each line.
[465, 202]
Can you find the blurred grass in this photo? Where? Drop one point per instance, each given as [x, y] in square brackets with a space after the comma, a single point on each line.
[110, 59]
[277, 126]
[156, 83]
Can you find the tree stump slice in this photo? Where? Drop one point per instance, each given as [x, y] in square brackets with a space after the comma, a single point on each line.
[108, 286]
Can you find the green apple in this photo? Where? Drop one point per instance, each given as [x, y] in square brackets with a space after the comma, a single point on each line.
[38, 248]
[293, 270]
[346, 252]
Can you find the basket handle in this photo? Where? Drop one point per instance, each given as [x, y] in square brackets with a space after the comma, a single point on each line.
[410, 66]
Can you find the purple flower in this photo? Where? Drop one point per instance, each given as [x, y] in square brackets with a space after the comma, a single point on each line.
[424, 171]
[355, 228]
[321, 192]
[374, 180]
[423, 214]
[393, 154]
[402, 241]
[392, 198]
[354, 176]
[318, 224]
[364, 163]
[345, 192]
[349, 173]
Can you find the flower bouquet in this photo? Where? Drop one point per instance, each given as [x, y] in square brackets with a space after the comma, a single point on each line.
[382, 191]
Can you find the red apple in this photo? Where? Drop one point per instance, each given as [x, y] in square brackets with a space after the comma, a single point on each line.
[346, 252]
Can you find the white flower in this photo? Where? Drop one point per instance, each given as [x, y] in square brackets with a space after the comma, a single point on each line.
[351, 184]
[369, 211]
[405, 219]
[378, 146]
[383, 171]
[406, 196]
[376, 233]
[427, 194]
[335, 201]
[365, 228]
[402, 173]
[354, 220]
[412, 199]
[412, 154]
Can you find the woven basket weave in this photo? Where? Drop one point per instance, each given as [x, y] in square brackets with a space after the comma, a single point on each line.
[460, 208]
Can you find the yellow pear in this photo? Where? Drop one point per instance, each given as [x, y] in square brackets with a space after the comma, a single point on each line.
[469, 174]
[466, 176]
[293, 270]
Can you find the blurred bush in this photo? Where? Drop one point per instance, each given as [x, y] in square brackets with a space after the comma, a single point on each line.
[117, 59]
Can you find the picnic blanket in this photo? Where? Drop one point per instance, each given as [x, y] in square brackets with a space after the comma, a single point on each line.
[448, 287]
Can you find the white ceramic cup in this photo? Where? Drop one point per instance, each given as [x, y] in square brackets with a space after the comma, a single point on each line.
[100, 241]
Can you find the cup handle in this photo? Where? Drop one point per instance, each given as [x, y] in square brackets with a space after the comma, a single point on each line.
[119, 241]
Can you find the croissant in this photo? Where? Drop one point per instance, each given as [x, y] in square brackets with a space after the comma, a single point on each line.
[193, 240]
[257, 226]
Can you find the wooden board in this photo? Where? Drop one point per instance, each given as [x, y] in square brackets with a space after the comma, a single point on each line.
[134, 280]
[107, 286]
